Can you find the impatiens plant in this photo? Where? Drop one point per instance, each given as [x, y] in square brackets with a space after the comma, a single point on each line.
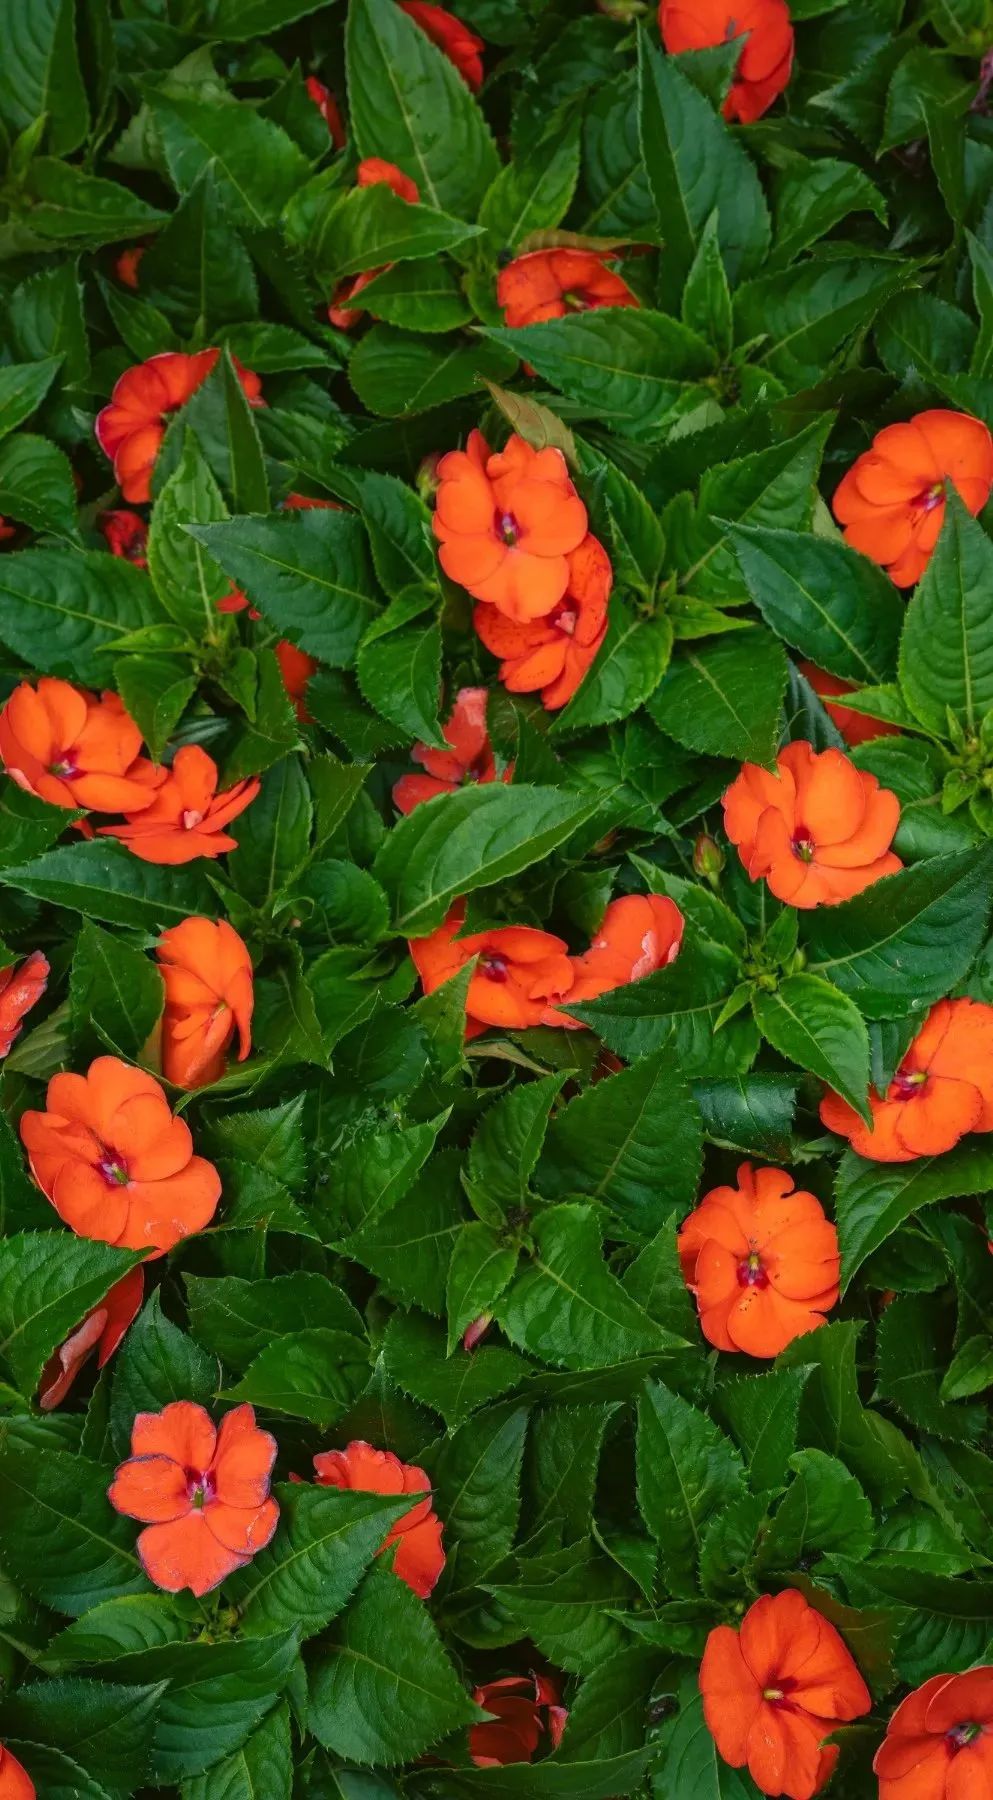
[496, 872]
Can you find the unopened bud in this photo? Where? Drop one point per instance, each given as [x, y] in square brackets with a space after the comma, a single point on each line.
[426, 480]
[708, 858]
[474, 1333]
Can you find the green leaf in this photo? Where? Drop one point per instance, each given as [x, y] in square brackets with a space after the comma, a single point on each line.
[834, 1419]
[156, 691]
[396, 374]
[696, 167]
[49, 1281]
[459, 842]
[312, 1375]
[632, 1141]
[480, 1269]
[813, 1025]
[566, 1307]
[774, 486]
[157, 1365]
[813, 197]
[111, 1724]
[628, 365]
[387, 1689]
[61, 609]
[420, 296]
[366, 228]
[104, 881]
[326, 1540]
[65, 205]
[454, 1385]
[398, 669]
[115, 1628]
[506, 1146]
[23, 387]
[836, 607]
[36, 486]
[872, 1200]
[724, 696]
[824, 1509]
[59, 1538]
[476, 1476]
[564, 1451]
[27, 825]
[307, 572]
[763, 1412]
[807, 315]
[373, 1172]
[688, 1471]
[970, 1370]
[263, 1765]
[274, 834]
[566, 1603]
[197, 267]
[629, 666]
[681, 1001]
[533, 192]
[115, 990]
[907, 940]
[946, 652]
[41, 72]
[706, 303]
[408, 1245]
[187, 580]
[256, 166]
[236, 1319]
[408, 104]
[218, 1694]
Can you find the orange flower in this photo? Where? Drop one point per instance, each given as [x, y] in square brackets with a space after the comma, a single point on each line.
[419, 1557]
[773, 1691]
[126, 266]
[939, 1742]
[548, 284]
[942, 1089]
[855, 727]
[115, 1164]
[296, 668]
[306, 503]
[21, 987]
[15, 1782]
[127, 535]
[70, 748]
[203, 1494]
[520, 972]
[130, 430]
[470, 758]
[329, 110]
[639, 934]
[892, 501]
[526, 1707]
[207, 973]
[818, 829]
[372, 171]
[461, 46]
[102, 1330]
[551, 655]
[507, 524]
[6, 530]
[762, 1262]
[187, 815]
[766, 60]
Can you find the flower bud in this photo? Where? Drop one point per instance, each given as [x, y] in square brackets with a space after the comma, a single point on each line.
[426, 479]
[474, 1333]
[708, 857]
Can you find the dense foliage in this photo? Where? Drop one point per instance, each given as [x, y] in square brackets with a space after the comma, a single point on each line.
[295, 695]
